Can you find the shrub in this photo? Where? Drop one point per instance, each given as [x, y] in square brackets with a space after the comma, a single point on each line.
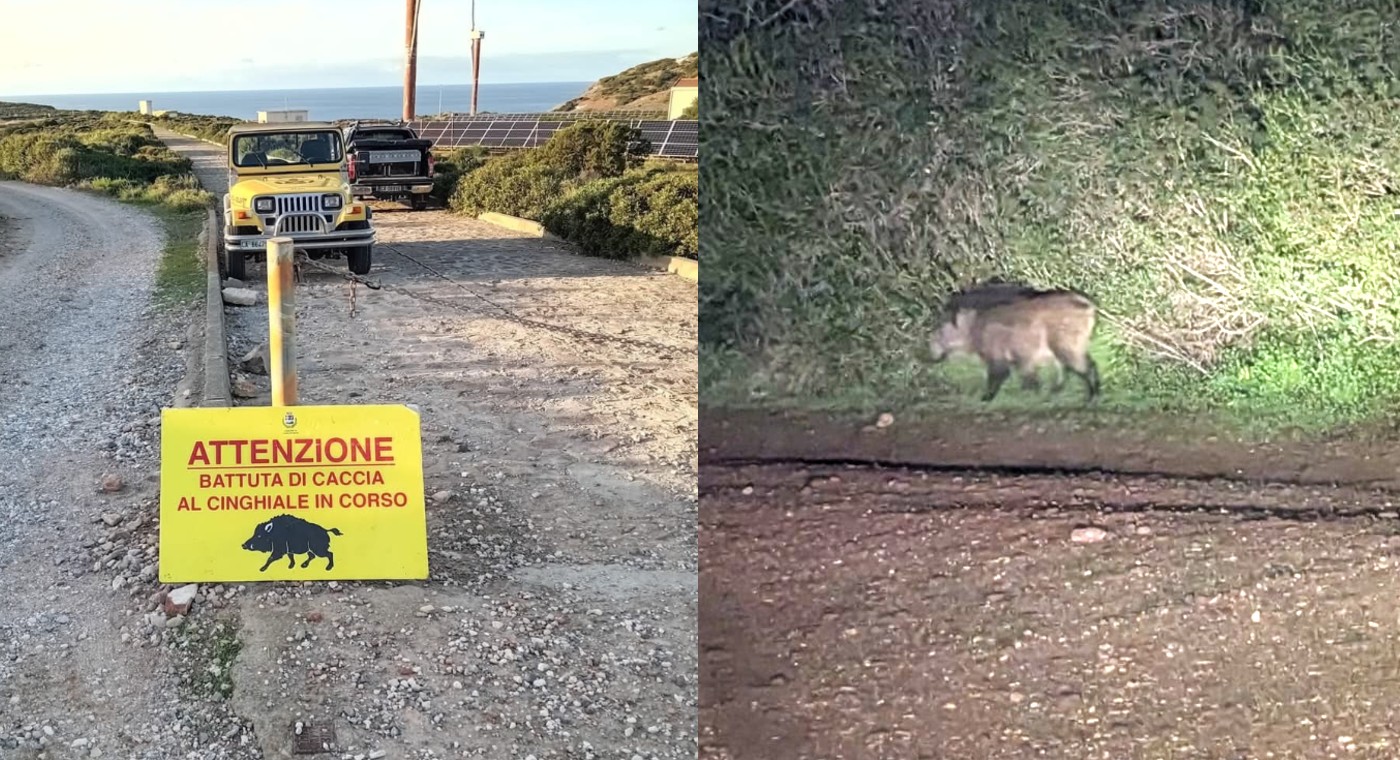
[516, 184]
[102, 152]
[592, 149]
[450, 167]
[646, 212]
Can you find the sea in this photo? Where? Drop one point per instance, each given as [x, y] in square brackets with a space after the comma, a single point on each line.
[331, 103]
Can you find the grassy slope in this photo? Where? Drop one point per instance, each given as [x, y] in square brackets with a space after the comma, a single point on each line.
[645, 87]
[1231, 207]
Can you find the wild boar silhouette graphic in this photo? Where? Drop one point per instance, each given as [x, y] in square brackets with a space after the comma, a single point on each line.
[289, 535]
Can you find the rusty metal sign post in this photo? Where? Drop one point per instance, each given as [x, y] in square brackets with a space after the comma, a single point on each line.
[281, 313]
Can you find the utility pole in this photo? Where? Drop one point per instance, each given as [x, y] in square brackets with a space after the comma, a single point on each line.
[410, 72]
[477, 34]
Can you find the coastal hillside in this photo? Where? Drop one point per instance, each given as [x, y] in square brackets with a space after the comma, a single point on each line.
[645, 87]
[13, 111]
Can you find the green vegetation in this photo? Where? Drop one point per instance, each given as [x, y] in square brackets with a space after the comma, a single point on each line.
[14, 111]
[450, 166]
[110, 154]
[208, 647]
[591, 185]
[1222, 177]
[181, 276]
[211, 128]
[691, 111]
[647, 79]
[103, 152]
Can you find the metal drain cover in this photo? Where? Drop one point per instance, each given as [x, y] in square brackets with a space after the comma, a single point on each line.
[315, 737]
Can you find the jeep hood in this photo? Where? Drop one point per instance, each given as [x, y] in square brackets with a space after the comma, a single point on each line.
[269, 184]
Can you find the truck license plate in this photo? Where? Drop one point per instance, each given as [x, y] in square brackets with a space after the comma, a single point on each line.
[250, 244]
[390, 188]
[392, 156]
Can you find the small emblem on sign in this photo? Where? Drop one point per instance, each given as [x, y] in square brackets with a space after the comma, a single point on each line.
[289, 420]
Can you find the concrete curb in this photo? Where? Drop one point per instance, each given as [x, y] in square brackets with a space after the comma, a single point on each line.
[686, 269]
[216, 383]
[519, 224]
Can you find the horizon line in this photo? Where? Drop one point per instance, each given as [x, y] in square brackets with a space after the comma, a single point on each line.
[152, 93]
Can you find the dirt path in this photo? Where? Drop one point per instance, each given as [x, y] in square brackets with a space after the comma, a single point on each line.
[862, 613]
[86, 367]
[559, 620]
[1084, 442]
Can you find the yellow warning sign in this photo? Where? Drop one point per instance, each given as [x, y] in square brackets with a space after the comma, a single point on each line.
[291, 493]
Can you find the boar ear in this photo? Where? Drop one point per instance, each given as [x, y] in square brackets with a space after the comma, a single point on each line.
[267, 528]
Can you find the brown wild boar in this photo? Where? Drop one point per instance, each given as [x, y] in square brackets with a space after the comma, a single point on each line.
[1025, 333]
[986, 295]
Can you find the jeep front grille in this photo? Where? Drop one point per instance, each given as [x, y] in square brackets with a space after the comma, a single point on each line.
[298, 204]
[293, 223]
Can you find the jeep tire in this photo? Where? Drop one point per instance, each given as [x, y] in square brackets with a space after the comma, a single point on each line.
[359, 258]
[236, 263]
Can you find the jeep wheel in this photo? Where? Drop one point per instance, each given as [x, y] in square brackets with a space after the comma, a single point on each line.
[359, 258]
[420, 201]
[237, 268]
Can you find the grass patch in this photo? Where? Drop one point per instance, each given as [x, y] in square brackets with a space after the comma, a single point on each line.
[181, 277]
[1221, 177]
[209, 647]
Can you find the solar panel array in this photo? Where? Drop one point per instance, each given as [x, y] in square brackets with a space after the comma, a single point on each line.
[558, 116]
[669, 139]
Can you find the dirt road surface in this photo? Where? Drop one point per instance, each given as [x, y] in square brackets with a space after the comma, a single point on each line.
[853, 611]
[558, 401]
[86, 365]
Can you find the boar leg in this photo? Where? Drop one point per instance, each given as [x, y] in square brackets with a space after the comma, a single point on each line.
[330, 560]
[997, 372]
[310, 555]
[1091, 377]
[276, 555]
[1030, 376]
[1084, 366]
[1060, 376]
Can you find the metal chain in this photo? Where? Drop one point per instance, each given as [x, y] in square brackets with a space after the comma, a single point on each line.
[584, 335]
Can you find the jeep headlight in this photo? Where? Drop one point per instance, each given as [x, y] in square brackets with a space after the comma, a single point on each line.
[331, 201]
[263, 205]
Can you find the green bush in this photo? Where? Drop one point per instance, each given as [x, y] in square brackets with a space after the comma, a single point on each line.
[592, 184]
[646, 212]
[515, 184]
[103, 152]
[212, 128]
[592, 149]
[451, 165]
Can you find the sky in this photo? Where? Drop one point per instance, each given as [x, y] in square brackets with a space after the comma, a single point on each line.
[53, 47]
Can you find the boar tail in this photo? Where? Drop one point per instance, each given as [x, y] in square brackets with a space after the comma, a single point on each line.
[333, 530]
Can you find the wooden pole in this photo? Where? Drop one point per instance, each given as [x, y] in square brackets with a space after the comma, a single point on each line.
[281, 318]
[410, 72]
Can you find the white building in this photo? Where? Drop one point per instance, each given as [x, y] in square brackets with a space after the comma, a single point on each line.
[144, 107]
[684, 93]
[265, 117]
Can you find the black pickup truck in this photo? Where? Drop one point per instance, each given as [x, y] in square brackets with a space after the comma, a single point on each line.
[389, 161]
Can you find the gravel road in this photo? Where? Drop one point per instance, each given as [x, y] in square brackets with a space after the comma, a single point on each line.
[86, 364]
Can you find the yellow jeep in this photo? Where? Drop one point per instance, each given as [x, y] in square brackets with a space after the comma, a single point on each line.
[290, 179]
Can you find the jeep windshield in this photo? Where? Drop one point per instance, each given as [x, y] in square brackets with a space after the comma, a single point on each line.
[270, 149]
